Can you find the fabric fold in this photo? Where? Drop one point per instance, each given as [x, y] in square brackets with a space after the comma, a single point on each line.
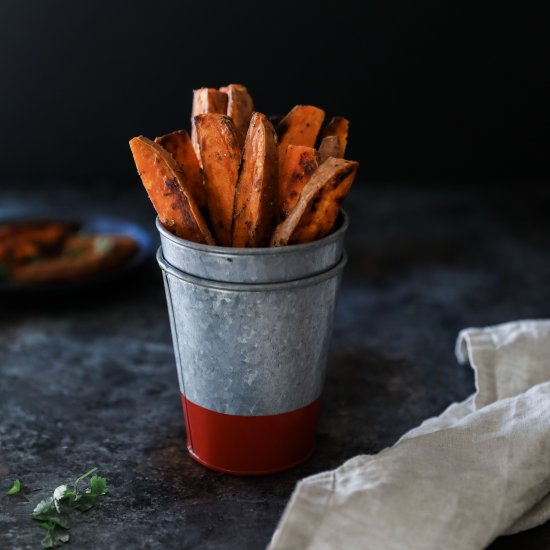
[479, 470]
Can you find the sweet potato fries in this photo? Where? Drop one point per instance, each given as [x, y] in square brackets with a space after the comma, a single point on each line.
[239, 181]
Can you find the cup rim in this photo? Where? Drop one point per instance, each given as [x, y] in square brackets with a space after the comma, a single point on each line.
[263, 251]
[250, 287]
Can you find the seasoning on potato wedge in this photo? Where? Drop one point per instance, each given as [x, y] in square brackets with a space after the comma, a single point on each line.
[256, 191]
[338, 126]
[239, 107]
[299, 163]
[314, 215]
[220, 153]
[166, 186]
[179, 145]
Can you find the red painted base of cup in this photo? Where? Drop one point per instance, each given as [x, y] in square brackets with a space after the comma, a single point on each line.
[250, 445]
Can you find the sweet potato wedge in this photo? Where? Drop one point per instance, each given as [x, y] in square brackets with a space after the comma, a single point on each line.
[338, 126]
[82, 257]
[315, 213]
[179, 145]
[22, 241]
[166, 186]
[256, 191]
[239, 107]
[299, 163]
[220, 152]
[299, 127]
[330, 147]
[206, 100]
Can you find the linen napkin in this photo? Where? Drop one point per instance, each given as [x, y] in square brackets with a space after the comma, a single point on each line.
[479, 470]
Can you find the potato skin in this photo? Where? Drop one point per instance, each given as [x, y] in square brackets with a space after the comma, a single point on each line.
[179, 145]
[299, 164]
[256, 191]
[339, 127]
[165, 184]
[315, 213]
[330, 147]
[240, 107]
[221, 156]
[206, 100]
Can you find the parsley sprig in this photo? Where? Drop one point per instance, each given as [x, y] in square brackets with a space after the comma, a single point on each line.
[15, 488]
[52, 512]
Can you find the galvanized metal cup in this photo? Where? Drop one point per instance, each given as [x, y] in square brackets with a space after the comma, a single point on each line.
[254, 265]
[251, 356]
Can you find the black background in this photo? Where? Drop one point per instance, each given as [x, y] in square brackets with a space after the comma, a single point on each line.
[434, 89]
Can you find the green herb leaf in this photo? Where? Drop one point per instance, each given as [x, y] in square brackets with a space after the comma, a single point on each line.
[15, 488]
[98, 486]
[50, 513]
[85, 502]
[54, 538]
[44, 508]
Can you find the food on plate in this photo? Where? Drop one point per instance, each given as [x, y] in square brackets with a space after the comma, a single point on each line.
[317, 209]
[338, 126]
[256, 191]
[24, 241]
[299, 164]
[81, 257]
[167, 188]
[243, 172]
[58, 252]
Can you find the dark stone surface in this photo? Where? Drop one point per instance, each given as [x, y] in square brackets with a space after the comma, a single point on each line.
[90, 380]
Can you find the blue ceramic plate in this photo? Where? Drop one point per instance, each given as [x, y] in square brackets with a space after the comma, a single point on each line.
[91, 225]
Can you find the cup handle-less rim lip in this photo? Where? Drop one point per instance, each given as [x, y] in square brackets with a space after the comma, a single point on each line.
[264, 251]
[251, 287]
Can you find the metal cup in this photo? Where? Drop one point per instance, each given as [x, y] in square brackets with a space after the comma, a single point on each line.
[251, 360]
[254, 265]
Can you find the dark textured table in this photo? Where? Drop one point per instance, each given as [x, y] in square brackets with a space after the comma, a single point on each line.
[90, 380]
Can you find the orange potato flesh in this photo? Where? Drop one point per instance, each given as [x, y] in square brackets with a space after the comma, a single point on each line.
[338, 127]
[299, 163]
[206, 100]
[179, 145]
[166, 186]
[299, 127]
[220, 155]
[330, 147]
[256, 191]
[315, 213]
[239, 107]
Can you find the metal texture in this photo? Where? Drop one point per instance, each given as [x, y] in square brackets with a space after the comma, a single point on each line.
[251, 349]
[254, 265]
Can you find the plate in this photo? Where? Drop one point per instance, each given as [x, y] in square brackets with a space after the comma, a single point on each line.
[91, 225]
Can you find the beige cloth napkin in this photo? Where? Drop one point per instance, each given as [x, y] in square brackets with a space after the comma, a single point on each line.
[479, 470]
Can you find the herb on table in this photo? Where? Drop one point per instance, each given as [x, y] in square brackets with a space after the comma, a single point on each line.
[52, 512]
[15, 488]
